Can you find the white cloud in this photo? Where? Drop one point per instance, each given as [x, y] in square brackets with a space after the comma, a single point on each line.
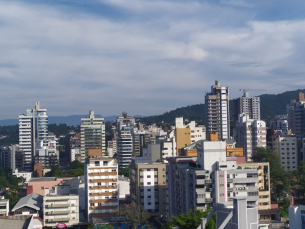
[75, 62]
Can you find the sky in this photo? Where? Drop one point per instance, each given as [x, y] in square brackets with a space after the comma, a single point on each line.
[144, 57]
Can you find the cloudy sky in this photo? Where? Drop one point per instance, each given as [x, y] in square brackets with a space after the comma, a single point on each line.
[142, 56]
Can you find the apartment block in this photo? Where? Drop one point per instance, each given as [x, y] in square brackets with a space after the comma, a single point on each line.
[296, 217]
[250, 133]
[280, 123]
[287, 149]
[296, 116]
[148, 186]
[92, 132]
[217, 117]
[101, 179]
[33, 126]
[46, 154]
[4, 206]
[60, 207]
[201, 182]
[246, 105]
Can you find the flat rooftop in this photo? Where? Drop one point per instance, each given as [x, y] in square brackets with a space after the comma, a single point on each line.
[37, 179]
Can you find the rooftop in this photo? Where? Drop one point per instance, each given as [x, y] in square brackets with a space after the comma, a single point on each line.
[33, 201]
[43, 179]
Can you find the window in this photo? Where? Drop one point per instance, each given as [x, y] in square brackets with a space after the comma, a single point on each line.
[149, 203]
[91, 204]
[148, 196]
[148, 176]
[148, 190]
[99, 204]
[25, 209]
[42, 188]
[33, 211]
[105, 163]
[18, 211]
[97, 163]
[148, 183]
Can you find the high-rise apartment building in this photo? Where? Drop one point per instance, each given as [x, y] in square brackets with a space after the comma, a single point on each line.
[101, 179]
[125, 125]
[203, 181]
[92, 135]
[287, 148]
[33, 126]
[148, 186]
[217, 118]
[246, 105]
[296, 116]
[249, 133]
[280, 123]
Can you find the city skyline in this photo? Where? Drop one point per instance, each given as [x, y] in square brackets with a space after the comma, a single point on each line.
[142, 57]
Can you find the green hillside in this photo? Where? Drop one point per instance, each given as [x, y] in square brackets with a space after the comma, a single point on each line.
[271, 105]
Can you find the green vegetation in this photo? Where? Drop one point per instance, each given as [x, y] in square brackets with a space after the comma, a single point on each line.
[300, 177]
[190, 220]
[76, 169]
[11, 133]
[108, 226]
[134, 215]
[279, 178]
[283, 207]
[124, 172]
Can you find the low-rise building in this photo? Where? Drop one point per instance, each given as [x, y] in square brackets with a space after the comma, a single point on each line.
[29, 205]
[60, 207]
[38, 185]
[124, 188]
[4, 206]
[25, 174]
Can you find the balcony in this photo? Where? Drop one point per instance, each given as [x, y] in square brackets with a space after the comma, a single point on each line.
[230, 180]
[59, 219]
[57, 205]
[57, 212]
[230, 189]
[208, 181]
[209, 200]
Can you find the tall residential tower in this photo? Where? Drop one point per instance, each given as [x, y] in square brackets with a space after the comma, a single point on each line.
[217, 116]
[33, 126]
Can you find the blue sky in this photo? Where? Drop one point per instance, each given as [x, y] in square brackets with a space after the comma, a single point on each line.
[144, 57]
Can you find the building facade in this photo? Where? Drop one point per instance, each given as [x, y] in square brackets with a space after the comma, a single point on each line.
[246, 105]
[217, 117]
[250, 133]
[148, 186]
[60, 207]
[92, 132]
[101, 185]
[287, 149]
[33, 126]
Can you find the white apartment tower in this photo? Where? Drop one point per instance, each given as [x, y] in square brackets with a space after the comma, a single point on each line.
[217, 118]
[249, 133]
[101, 179]
[33, 126]
[92, 132]
[247, 105]
[125, 126]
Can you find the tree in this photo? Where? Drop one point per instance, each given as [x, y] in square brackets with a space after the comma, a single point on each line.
[76, 165]
[191, 220]
[104, 226]
[279, 179]
[3, 182]
[134, 215]
[55, 172]
[124, 171]
[12, 195]
[300, 176]
[74, 172]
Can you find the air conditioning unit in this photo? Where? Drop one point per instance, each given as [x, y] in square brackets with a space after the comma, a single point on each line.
[113, 179]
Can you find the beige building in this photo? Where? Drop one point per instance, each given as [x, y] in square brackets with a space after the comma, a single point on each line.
[101, 179]
[60, 207]
[148, 185]
[264, 201]
[287, 149]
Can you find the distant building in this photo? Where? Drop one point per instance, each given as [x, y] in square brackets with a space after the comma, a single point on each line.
[280, 123]
[25, 174]
[92, 132]
[33, 126]
[75, 154]
[246, 105]
[101, 180]
[217, 117]
[60, 206]
[249, 133]
[46, 154]
[296, 116]
[287, 149]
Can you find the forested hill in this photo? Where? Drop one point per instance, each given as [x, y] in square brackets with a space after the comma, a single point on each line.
[270, 105]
